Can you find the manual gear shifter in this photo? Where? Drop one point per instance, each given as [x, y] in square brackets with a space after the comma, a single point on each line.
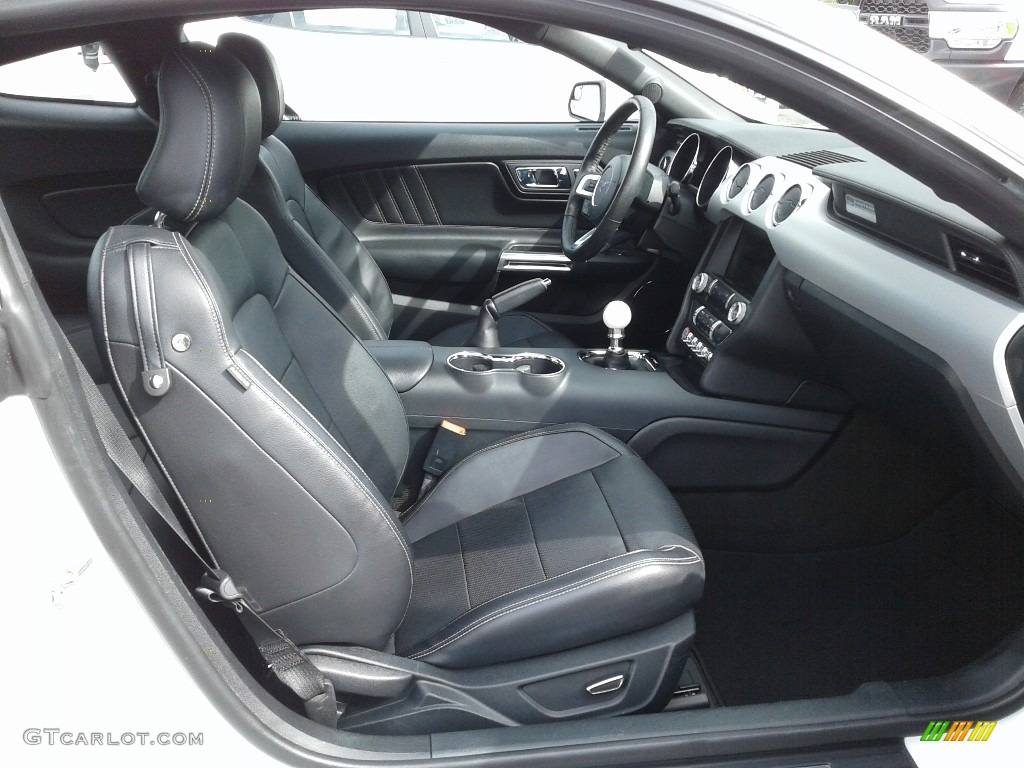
[616, 317]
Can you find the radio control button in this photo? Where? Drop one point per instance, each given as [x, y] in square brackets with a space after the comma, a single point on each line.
[737, 311]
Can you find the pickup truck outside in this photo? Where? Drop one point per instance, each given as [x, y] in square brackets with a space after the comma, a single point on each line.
[980, 42]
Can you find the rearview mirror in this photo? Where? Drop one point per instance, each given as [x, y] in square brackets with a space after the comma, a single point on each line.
[587, 101]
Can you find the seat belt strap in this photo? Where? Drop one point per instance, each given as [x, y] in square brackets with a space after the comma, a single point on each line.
[283, 658]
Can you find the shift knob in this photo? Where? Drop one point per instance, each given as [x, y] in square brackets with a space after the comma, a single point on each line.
[617, 315]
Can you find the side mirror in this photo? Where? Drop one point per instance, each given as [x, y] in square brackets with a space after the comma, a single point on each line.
[588, 101]
[91, 55]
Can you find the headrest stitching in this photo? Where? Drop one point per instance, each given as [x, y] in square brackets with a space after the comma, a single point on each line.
[211, 143]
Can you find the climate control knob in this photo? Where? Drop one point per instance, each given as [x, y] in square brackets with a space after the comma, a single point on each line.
[700, 282]
[737, 312]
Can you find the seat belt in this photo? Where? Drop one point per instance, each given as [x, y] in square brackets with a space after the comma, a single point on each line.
[444, 450]
[283, 658]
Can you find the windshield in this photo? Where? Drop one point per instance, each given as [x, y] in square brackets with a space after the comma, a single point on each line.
[742, 100]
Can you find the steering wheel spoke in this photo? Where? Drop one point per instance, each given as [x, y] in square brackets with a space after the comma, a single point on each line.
[582, 239]
[587, 185]
[607, 187]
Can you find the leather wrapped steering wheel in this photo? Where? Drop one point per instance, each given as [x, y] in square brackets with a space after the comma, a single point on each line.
[610, 189]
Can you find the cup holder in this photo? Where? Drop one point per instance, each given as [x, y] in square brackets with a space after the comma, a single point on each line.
[526, 363]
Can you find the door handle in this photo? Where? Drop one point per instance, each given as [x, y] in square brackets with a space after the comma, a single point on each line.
[548, 177]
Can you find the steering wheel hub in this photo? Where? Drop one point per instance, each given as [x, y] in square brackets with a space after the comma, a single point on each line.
[618, 181]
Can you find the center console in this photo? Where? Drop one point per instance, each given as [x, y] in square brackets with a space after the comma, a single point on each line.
[736, 332]
[720, 301]
[736, 402]
[689, 439]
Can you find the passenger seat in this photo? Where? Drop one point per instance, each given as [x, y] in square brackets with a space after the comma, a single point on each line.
[321, 248]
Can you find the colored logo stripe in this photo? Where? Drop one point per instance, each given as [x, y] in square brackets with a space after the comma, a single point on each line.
[958, 730]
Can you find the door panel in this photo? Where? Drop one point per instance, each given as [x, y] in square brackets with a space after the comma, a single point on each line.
[67, 173]
[438, 204]
[444, 194]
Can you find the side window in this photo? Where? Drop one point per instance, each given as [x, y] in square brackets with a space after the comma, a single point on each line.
[378, 65]
[454, 28]
[353, 21]
[83, 73]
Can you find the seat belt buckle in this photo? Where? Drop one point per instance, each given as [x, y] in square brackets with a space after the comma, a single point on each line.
[444, 451]
[217, 586]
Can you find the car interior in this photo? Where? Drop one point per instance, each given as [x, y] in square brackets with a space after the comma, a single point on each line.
[520, 424]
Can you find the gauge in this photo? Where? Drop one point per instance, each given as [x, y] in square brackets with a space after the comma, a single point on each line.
[685, 160]
[717, 170]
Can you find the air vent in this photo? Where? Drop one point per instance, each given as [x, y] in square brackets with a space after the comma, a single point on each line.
[984, 266]
[788, 203]
[761, 192]
[820, 157]
[739, 181]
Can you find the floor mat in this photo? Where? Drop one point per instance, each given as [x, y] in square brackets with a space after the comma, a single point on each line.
[776, 627]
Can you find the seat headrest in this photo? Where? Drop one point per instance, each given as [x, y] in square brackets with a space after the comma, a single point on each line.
[209, 135]
[261, 65]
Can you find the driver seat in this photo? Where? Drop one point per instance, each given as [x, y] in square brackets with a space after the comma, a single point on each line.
[548, 576]
[322, 249]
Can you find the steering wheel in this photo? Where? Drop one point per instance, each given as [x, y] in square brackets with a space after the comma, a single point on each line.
[611, 190]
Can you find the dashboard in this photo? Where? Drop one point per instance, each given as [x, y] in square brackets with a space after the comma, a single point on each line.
[833, 278]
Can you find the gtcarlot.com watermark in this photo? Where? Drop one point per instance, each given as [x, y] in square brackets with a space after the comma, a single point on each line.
[54, 737]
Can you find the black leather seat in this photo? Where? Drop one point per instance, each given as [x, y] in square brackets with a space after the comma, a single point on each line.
[556, 550]
[321, 248]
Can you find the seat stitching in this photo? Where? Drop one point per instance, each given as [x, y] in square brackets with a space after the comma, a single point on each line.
[306, 411]
[550, 596]
[375, 327]
[330, 455]
[343, 282]
[426, 191]
[218, 322]
[278, 464]
[278, 190]
[533, 533]
[104, 252]
[327, 307]
[211, 143]
[360, 261]
[465, 573]
[152, 303]
[135, 300]
[696, 558]
[610, 510]
[525, 436]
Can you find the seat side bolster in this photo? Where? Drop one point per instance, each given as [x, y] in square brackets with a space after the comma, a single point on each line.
[313, 240]
[508, 469]
[615, 597]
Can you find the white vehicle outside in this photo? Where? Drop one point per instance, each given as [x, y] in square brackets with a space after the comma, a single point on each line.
[468, 72]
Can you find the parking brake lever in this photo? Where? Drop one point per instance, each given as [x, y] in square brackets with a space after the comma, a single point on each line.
[486, 334]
